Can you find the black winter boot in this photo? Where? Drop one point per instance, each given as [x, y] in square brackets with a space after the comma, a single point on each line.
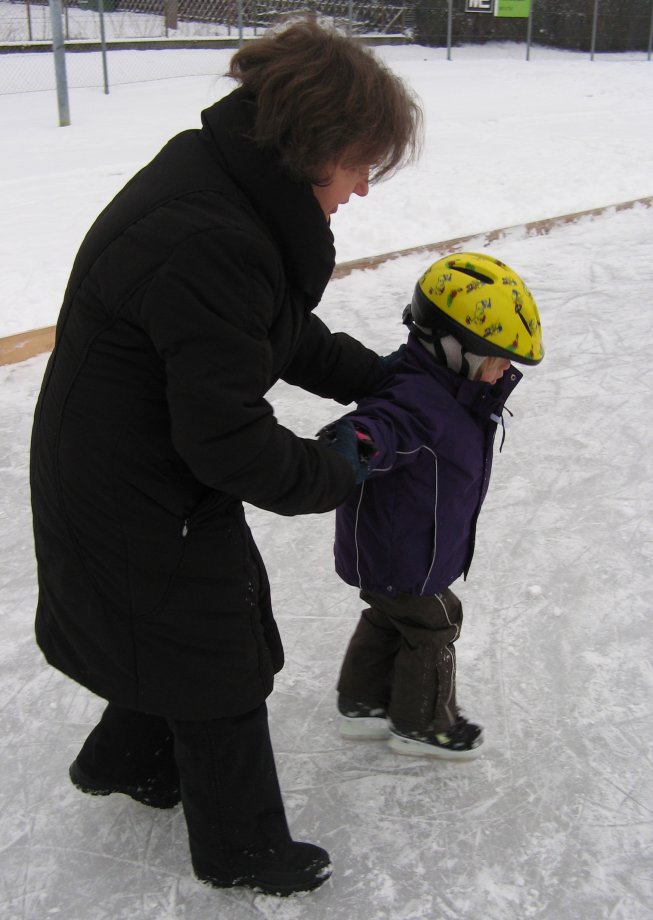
[129, 752]
[282, 871]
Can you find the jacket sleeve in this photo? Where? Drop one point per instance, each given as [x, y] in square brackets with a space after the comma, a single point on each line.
[398, 432]
[333, 364]
[208, 312]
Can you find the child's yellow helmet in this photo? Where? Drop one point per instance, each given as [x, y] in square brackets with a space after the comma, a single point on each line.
[483, 303]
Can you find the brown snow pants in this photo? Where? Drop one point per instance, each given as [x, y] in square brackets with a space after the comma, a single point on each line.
[402, 657]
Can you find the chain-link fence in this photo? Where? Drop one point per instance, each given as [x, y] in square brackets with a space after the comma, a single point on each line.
[25, 21]
[613, 25]
[26, 27]
[600, 26]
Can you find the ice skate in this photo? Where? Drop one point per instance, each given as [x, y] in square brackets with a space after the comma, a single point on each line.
[360, 722]
[461, 742]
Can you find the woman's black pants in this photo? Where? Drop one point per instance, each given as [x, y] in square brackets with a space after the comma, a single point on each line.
[225, 771]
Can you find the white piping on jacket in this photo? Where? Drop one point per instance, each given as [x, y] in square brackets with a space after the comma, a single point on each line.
[386, 469]
[449, 651]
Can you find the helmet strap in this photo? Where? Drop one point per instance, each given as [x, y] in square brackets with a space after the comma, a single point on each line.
[419, 331]
[464, 364]
[445, 347]
[431, 340]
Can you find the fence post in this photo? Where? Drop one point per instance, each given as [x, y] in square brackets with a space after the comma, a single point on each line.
[594, 22]
[103, 45]
[171, 15]
[29, 20]
[449, 28]
[529, 30]
[650, 35]
[59, 63]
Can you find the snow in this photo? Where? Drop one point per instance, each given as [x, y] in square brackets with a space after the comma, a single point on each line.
[84, 24]
[555, 820]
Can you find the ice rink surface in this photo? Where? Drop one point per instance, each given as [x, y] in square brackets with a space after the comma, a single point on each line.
[555, 820]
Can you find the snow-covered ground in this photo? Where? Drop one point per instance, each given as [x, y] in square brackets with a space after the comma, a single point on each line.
[20, 22]
[555, 820]
[507, 141]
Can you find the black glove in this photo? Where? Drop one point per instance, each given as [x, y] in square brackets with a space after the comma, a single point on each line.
[352, 443]
[388, 360]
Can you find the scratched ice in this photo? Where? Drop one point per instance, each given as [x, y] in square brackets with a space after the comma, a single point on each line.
[555, 820]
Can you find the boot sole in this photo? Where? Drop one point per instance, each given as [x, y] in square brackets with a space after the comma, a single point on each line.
[279, 889]
[88, 786]
[369, 728]
[411, 748]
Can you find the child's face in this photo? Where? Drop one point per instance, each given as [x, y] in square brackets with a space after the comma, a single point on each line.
[493, 369]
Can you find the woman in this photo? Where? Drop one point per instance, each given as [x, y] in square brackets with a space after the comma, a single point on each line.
[191, 295]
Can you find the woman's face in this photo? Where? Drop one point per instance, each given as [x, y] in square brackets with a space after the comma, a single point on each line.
[342, 183]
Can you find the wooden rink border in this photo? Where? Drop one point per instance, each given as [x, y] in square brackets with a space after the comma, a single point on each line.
[24, 345]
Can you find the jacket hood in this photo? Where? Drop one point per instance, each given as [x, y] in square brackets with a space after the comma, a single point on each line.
[287, 208]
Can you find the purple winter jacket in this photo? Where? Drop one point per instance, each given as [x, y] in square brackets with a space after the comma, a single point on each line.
[410, 526]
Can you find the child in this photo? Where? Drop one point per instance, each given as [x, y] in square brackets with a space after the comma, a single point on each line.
[407, 532]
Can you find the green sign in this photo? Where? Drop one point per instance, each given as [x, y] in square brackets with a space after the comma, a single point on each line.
[513, 9]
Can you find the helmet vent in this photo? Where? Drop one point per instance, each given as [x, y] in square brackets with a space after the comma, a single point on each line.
[484, 279]
[528, 329]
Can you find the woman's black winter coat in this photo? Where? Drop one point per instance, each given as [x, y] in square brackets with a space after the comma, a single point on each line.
[189, 298]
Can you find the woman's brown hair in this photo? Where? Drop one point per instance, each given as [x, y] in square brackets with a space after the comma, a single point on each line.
[321, 97]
